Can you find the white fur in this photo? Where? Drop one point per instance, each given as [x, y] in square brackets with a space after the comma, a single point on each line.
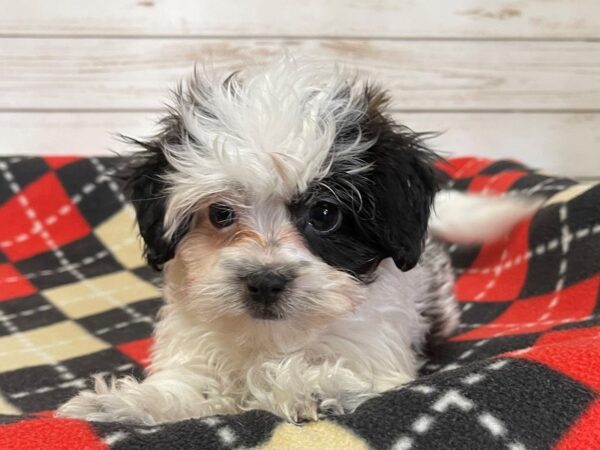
[470, 218]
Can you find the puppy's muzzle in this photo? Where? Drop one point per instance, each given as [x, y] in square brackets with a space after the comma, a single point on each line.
[265, 288]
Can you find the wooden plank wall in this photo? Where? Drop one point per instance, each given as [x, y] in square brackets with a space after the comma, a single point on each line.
[518, 78]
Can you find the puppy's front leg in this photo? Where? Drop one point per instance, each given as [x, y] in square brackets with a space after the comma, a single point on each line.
[300, 391]
[164, 396]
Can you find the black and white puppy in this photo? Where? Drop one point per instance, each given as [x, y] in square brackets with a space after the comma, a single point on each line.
[290, 216]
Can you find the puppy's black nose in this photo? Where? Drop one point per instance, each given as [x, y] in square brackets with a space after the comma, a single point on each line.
[266, 286]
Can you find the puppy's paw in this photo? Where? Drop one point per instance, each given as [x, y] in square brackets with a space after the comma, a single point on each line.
[105, 407]
[86, 405]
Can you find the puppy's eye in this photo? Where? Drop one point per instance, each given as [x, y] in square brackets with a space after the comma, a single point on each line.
[324, 217]
[221, 215]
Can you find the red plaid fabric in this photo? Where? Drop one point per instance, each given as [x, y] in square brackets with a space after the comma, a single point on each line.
[522, 371]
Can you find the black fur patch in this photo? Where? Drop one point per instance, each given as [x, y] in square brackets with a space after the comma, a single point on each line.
[147, 191]
[386, 208]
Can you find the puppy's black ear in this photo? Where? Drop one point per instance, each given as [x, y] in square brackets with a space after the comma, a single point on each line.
[145, 186]
[404, 184]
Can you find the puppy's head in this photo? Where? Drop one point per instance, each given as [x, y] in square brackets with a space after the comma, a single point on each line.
[272, 195]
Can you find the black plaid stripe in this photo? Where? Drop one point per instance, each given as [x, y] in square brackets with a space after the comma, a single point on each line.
[38, 388]
[96, 201]
[541, 184]
[593, 321]
[583, 250]
[28, 170]
[504, 165]
[244, 431]
[44, 271]
[463, 256]
[482, 312]
[464, 352]
[116, 326]
[30, 312]
[584, 224]
[5, 191]
[91, 257]
[104, 361]
[87, 256]
[24, 170]
[544, 265]
[148, 274]
[462, 184]
[8, 419]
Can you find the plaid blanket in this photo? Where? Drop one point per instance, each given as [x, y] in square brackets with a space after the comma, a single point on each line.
[522, 372]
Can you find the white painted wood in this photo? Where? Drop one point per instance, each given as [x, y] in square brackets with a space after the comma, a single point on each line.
[567, 144]
[421, 75]
[358, 18]
[71, 133]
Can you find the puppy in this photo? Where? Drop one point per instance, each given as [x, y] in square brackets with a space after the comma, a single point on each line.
[289, 213]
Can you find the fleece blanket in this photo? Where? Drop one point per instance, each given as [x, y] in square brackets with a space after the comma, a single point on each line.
[521, 372]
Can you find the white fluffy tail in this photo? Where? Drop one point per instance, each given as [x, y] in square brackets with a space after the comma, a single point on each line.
[469, 218]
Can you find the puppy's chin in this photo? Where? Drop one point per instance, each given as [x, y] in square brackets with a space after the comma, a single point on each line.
[265, 313]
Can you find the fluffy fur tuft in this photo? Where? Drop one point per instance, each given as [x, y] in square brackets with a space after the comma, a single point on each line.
[469, 218]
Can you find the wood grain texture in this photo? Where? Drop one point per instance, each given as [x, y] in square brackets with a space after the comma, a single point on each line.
[421, 75]
[568, 144]
[316, 18]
